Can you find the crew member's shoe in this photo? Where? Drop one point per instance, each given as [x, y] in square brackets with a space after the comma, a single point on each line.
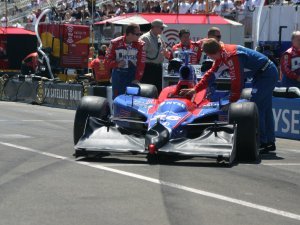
[265, 148]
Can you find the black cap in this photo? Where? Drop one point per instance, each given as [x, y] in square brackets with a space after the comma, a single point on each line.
[184, 31]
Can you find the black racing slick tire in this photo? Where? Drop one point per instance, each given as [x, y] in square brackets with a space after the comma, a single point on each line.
[89, 106]
[245, 116]
[148, 90]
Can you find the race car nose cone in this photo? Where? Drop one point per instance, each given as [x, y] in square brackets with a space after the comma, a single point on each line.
[152, 149]
[158, 136]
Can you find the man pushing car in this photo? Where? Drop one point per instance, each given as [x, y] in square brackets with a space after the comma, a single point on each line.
[264, 74]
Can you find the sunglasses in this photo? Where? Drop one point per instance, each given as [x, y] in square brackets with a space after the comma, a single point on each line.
[218, 36]
[138, 34]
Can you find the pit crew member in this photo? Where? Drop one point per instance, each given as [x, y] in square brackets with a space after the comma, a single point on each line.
[290, 63]
[29, 64]
[265, 75]
[100, 72]
[126, 57]
[186, 44]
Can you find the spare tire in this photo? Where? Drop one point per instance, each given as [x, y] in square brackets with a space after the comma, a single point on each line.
[245, 116]
[147, 90]
[286, 92]
[89, 106]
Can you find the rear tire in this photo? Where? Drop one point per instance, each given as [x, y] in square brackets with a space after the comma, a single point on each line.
[148, 90]
[245, 115]
[89, 106]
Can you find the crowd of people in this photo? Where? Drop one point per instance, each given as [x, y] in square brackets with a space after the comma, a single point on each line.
[83, 11]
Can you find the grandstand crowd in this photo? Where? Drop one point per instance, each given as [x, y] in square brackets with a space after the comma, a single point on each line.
[85, 11]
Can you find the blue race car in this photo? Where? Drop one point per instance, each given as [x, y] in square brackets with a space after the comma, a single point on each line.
[169, 124]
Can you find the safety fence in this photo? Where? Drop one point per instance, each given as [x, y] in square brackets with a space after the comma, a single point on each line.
[56, 94]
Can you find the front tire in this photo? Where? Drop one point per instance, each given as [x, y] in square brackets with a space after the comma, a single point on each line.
[245, 116]
[89, 106]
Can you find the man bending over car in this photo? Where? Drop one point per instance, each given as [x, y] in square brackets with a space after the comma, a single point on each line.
[264, 74]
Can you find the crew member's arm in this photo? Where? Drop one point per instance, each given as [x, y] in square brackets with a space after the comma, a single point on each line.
[286, 68]
[110, 57]
[199, 51]
[140, 64]
[203, 83]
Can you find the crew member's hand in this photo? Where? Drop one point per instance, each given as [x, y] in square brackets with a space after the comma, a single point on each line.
[298, 79]
[135, 82]
[165, 53]
[121, 64]
[187, 92]
[225, 107]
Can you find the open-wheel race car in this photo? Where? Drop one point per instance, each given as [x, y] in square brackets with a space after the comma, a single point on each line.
[169, 124]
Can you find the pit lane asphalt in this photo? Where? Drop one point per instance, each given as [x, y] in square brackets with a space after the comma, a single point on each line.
[41, 182]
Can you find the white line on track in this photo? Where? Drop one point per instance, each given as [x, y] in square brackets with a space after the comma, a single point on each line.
[281, 164]
[289, 150]
[164, 183]
[13, 136]
[36, 121]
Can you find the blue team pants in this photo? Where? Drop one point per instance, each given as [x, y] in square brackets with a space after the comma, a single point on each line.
[287, 82]
[263, 85]
[121, 78]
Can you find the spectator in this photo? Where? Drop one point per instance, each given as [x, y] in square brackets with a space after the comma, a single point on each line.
[67, 17]
[217, 7]
[120, 9]
[77, 14]
[173, 6]
[126, 57]
[156, 51]
[38, 13]
[186, 44]
[156, 8]
[130, 7]
[290, 63]
[193, 7]
[226, 7]
[165, 7]
[201, 6]
[110, 10]
[146, 6]
[183, 7]
[4, 21]
[239, 58]
[100, 72]
[239, 10]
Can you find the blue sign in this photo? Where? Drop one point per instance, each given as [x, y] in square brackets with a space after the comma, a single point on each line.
[286, 113]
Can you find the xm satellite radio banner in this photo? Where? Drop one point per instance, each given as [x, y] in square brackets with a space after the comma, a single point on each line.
[286, 113]
[62, 94]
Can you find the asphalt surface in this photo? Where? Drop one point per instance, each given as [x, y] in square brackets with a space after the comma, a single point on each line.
[42, 183]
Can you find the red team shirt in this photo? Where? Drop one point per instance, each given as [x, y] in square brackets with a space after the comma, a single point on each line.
[133, 54]
[193, 46]
[100, 70]
[290, 63]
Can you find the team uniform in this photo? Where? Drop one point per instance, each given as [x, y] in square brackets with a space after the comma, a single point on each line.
[133, 54]
[264, 74]
[100, 71]
[29, 64]
[192, 46]
[290, 67]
